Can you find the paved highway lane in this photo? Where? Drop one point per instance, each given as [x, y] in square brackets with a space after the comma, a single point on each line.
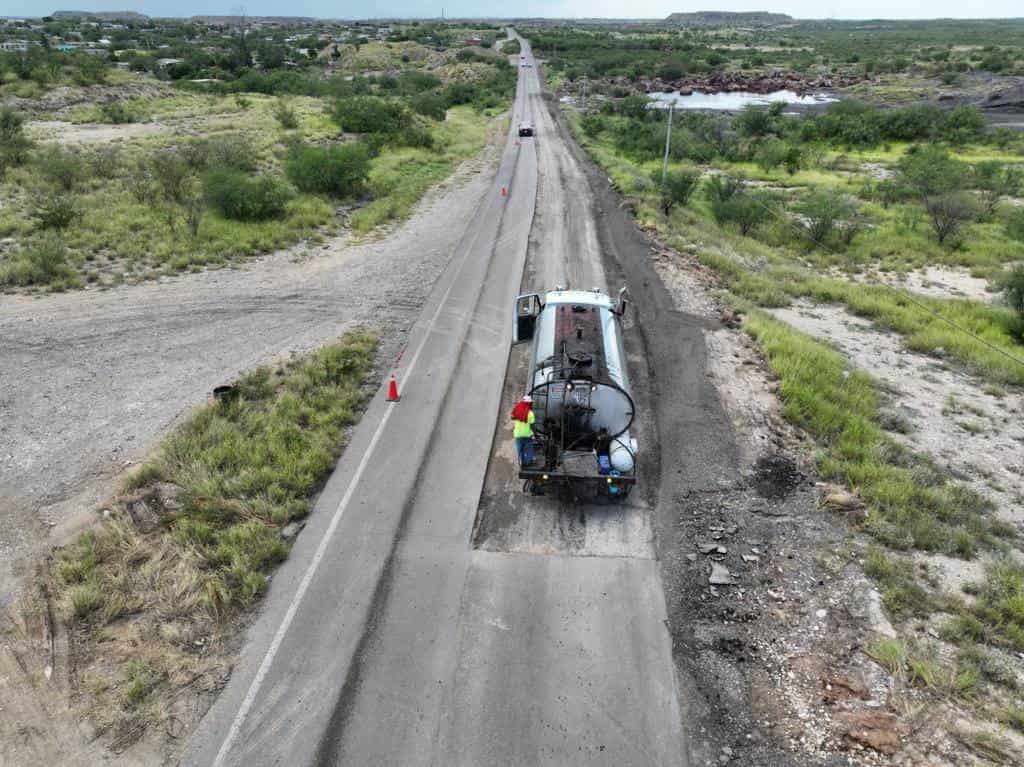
[386, 638]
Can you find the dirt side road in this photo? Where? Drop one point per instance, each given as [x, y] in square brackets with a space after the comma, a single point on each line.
[90, 380]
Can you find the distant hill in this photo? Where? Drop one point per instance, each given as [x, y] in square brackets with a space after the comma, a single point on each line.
[728, 19]
[101, 15]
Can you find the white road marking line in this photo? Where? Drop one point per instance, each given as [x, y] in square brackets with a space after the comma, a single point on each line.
[307, 578]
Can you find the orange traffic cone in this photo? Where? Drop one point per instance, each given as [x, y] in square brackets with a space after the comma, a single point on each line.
[393, 390]
[504, 192]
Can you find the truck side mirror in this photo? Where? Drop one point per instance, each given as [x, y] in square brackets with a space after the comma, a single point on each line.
[623, 302]
[524, 323]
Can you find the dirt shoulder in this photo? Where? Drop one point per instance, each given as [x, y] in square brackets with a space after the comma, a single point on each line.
[91, 380]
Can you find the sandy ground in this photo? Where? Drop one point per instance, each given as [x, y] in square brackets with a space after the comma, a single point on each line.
[936, 282]
[89, 381]
[63, 132]
[935, 408]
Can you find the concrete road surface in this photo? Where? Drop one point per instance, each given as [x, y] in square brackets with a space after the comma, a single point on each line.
[388, 638]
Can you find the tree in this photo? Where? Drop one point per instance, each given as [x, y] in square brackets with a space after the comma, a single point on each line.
[929, 170]
[823, 214]
[964, 124]
[937, 180]
[948, 213]
[677, 188]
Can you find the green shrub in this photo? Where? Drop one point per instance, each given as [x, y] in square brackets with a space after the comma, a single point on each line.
[370, 114]
[1012, 285]
[117, 113]
[232, 151]
[732, 203]
[432, 105]
[339, 171]
[285, 115]
[245, 198]
[822, 214]
[676, 188]
[41, 262]
[593, 125]
[1015, 225]
[55, 210]
[64, 168]
[14, 144]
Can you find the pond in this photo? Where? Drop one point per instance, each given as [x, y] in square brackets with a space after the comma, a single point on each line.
[738, 99]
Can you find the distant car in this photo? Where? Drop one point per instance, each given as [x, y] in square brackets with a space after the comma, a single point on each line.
[525, 129]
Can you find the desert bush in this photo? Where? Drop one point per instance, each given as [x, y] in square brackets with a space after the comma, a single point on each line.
[721, 188]
[948, 214]
[1012, 285]
[285, 115]
[63, 168]
[369, 114]
[593, 125]
[676, 188]
[14, 144]
[117, 113]
[747, 210]
[245, 198]
[105, 161]
[930, 170]
[822, 216]
[43, 261]
[995, 180]
[432, 105]
[413, 135]
[339, 171]
[1015, 224]
[732, 203]
[55, 210]
[233, 151]
[170, 172]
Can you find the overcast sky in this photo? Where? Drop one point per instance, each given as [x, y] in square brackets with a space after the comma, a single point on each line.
[355, 9]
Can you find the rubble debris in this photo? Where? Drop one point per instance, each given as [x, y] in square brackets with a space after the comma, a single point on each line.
[720, 575]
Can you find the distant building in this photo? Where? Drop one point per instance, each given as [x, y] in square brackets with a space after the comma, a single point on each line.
[14, 46]
[164, 63]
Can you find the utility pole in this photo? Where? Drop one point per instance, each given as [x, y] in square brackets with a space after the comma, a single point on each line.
[668, 141]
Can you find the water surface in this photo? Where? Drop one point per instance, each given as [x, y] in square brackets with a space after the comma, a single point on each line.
[737, 100]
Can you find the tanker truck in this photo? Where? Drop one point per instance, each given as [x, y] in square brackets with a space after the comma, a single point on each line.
[580, 390]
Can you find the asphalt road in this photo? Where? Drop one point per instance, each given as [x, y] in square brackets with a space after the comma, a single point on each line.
[389, 637]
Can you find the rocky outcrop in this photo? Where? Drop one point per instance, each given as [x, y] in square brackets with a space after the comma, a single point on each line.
[1005, 98]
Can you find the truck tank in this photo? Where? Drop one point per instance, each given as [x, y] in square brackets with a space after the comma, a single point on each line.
[579, 384]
